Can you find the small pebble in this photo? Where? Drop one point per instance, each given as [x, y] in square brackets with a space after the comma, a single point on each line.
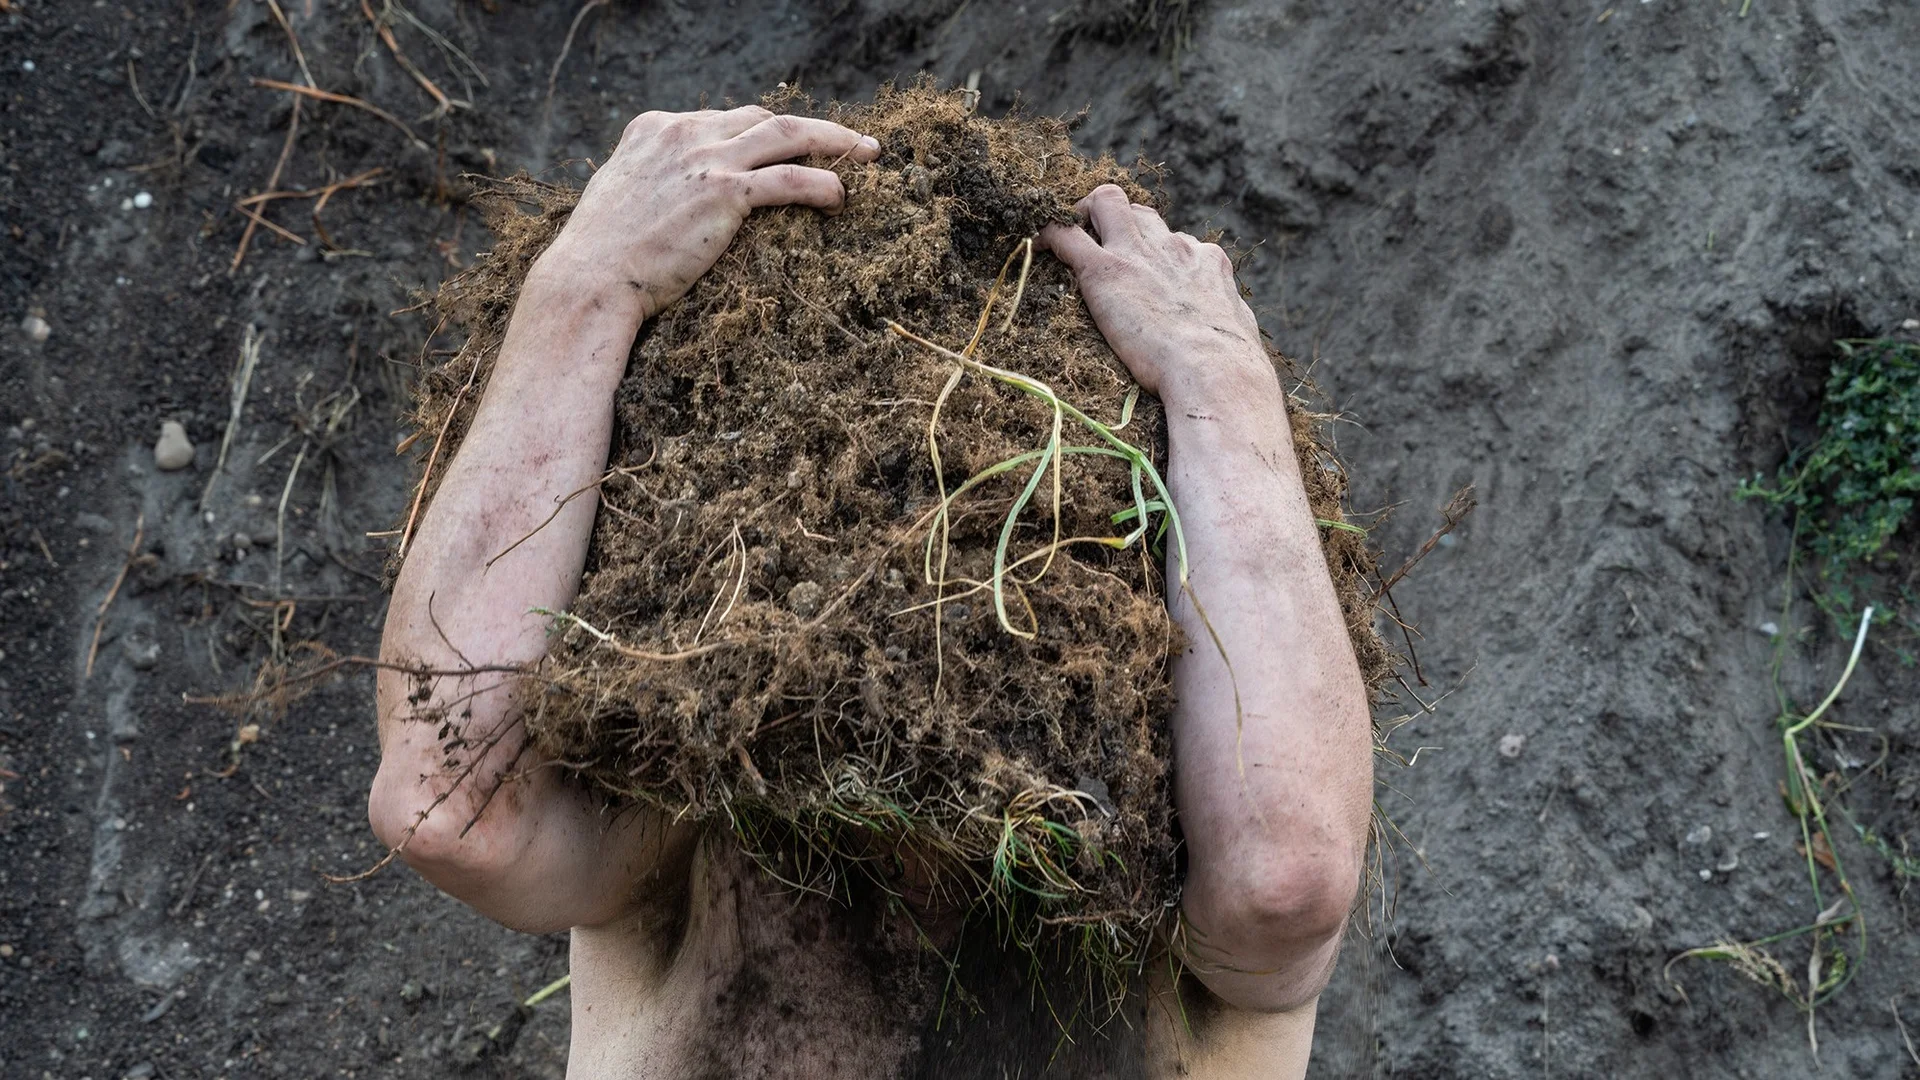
[26, 65]
[1700, 834]
[1761, 835]
[1706, 875]
[1730, 863]
[1910, 324]
[143, 655]
[804, 599]
[1511, 745]
[36, 328]
[241, 541]
[142, 200]
[1769, 628]
[6, 952]
[172, 452]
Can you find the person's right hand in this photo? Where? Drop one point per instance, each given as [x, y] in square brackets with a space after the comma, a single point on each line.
[1166, 302]
[666, 204]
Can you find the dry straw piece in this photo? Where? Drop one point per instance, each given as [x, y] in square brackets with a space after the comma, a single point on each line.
[870, 606]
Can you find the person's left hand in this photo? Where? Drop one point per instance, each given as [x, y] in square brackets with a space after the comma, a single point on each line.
[1166, 302]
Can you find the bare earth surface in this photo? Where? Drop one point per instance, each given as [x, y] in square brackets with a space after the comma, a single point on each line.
[1589, 259]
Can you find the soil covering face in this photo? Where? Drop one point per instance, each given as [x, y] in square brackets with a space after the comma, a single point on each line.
[780, 631]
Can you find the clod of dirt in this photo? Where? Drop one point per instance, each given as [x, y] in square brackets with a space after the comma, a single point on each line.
[789, 622]
[143, 654]
[172, 451]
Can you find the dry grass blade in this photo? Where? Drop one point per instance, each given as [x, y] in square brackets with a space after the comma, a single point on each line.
[100, 617]
[236, 403]
[133, 81]
[284, 233]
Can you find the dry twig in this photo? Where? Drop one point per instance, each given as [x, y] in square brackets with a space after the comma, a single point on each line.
[341, 99]
[426, 474]
[319, 195]
[384, 29]
[553, 77]
[1452, 515]
[299, 55]
[254, 220]
[1894, 1004]
[286, 148]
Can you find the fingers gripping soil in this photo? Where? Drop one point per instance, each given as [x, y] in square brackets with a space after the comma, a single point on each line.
[780, 138]
[1112, 215]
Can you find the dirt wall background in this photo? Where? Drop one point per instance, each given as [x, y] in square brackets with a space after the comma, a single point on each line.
[1587, 257]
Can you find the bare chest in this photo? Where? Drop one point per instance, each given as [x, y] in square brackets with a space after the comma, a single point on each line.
[746, 980]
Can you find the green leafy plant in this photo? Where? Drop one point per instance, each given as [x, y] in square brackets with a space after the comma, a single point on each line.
[1854, 487]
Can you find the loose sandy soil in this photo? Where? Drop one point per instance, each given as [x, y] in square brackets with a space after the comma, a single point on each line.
[1588, 258]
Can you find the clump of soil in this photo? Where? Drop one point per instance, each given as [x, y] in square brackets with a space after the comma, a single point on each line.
[766, 638]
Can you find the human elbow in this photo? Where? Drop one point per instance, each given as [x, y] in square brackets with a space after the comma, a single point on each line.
[430, 835]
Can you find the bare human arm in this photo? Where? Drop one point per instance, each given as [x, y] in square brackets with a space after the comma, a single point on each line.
[1274, 798]
[514, 840]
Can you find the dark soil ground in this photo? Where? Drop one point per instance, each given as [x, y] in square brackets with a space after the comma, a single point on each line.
[1588, 258]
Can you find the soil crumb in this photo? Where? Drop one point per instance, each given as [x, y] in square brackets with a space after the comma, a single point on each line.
[789, 625]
